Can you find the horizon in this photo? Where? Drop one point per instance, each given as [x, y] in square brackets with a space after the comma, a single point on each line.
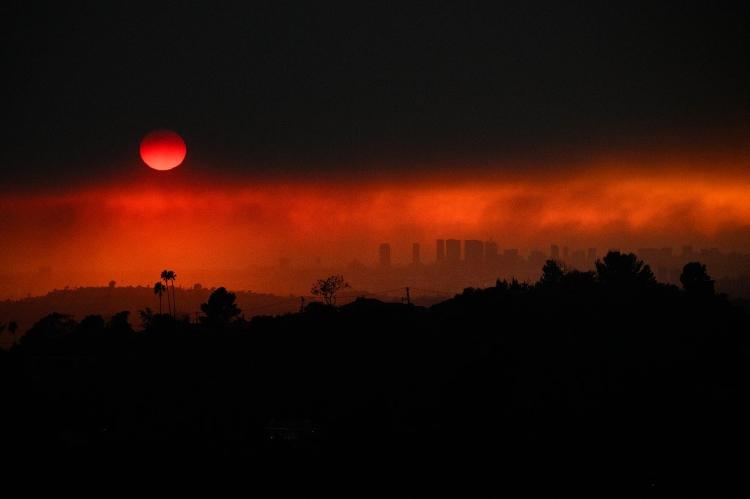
[467, 264]
[264, 278]
[91, 232]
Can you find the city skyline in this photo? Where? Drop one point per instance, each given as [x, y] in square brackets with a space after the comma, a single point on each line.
[288, 274]
[489, 249]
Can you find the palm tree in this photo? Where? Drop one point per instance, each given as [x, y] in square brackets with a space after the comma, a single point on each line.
[159, 289]
[172, 277]
[165, 276]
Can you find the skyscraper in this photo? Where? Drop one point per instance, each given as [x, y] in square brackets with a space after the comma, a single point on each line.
[385, 255]
[511, 256]
[473, 252]
[453, 251]
[490, 251]
[440, 250]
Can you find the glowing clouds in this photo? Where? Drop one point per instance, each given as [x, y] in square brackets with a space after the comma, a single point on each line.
[103, 230]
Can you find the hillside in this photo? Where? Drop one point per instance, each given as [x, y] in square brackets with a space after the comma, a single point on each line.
[608, 381]
[105, 301]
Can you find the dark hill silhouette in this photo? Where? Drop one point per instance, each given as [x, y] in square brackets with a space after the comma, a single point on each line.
[606, 380]
[80, 302]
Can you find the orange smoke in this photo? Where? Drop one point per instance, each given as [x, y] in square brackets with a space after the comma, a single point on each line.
[112, 230]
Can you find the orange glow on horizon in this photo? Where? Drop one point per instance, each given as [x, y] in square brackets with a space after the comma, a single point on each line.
[127, 227]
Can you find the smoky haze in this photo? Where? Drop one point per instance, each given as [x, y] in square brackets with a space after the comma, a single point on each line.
[130, 232]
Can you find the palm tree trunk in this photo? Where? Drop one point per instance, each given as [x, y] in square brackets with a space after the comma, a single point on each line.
[169, 303]
[174, 301]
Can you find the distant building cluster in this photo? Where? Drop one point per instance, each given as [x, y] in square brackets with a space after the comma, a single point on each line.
[475, 256]
[474, 253]
[457, 264]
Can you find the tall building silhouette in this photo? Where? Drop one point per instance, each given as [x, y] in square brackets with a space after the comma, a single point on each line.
[473, 252]
[453, 251]
[440, 250]
[385, 255]
[511, 257]
[490, 251]
[415, 256]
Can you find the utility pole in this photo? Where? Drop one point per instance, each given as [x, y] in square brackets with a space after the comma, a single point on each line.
[408, 298]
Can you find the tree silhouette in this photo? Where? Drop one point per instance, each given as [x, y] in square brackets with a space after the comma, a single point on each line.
[552, 273]
[564, 366]
[12, 328]
[119, 322]
[623, 270]
[577, 281]
[695, 279]
[49, 329]
[172, 276]
[329, 287]
[220, 309]
[159, 289]
[167, 276]
[92, 323]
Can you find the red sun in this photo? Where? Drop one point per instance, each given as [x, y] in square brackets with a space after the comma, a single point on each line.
[163, 149]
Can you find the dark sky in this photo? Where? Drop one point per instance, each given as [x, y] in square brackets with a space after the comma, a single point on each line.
[266, 87]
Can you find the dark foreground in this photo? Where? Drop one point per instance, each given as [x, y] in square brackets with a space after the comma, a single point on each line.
[603, 382]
